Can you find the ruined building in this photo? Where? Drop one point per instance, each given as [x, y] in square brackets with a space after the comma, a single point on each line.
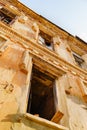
[43, 73]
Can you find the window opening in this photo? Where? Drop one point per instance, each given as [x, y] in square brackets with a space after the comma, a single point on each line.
[78, 59]
[45, 40]
[6, 16]
[41, 98]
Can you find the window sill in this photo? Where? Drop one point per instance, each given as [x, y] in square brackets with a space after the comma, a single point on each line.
[44, 122]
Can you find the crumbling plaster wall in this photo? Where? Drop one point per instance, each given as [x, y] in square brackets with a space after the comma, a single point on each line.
[72, 101]
[84, 65]
[26, 26]
[62, 48]
[13, 82]
[15, 74]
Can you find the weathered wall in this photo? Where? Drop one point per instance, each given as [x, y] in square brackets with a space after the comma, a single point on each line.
[73, 91]
[16, 67]
[76, 101]
[26, 27]
[62, 48]
[77, 112]
[62, 101]
[13, 83]
[84, 64]
[15, 74]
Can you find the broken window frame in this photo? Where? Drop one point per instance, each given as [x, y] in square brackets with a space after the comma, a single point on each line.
[57, 115]
[46, 40]
[6, 16]
[78, 59]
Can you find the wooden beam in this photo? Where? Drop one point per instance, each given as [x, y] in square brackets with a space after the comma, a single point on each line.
[57, 117]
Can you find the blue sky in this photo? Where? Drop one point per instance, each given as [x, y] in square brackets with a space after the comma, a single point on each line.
[71, 15]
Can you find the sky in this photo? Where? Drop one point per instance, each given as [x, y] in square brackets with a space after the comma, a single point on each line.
[71, 15]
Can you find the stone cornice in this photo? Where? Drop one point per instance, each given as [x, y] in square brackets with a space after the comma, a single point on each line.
[42, 52]
[49, 27]
[54, 29]
[77, 46]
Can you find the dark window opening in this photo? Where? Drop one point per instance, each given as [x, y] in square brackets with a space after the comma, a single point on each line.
[41, 98]
[48, 43]
[6, 16]
[78, 59]
[45, 40]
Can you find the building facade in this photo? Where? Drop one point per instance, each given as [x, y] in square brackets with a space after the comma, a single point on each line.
[43, 73]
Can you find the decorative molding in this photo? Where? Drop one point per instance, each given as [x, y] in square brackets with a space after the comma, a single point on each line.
[40, 51]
